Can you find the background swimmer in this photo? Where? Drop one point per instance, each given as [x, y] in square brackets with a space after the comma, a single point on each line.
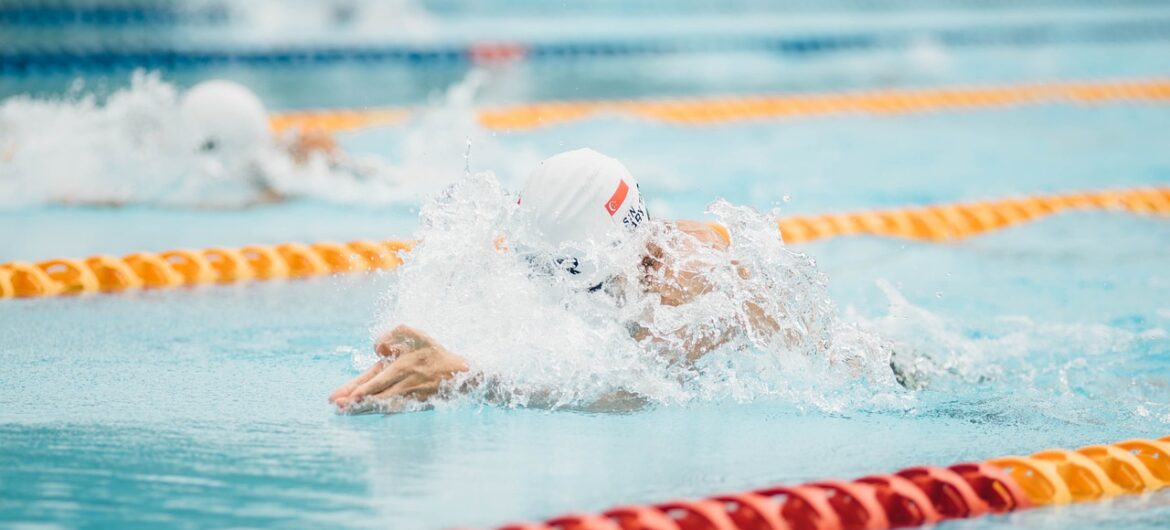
[579, 203]
[229, 125]
[210, 146]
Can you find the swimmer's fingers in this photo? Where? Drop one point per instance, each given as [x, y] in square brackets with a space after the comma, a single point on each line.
[383, 344]
[403, 337]
[411, 337]
[347, 389]
[367, 406]
[413, 387]
[391, 351]
[397, 397]
[370, 405]
[387, 378]
[415, 375]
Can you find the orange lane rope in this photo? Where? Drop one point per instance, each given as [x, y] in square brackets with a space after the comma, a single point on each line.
[915, 496]
[336, 120]
[957, 221]
[296, 260]
[715, 110]
[176, 268]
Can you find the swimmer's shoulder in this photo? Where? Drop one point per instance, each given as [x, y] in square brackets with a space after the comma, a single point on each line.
[713, 234]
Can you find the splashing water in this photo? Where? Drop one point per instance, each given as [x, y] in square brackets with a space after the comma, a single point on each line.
[439, 141]
[541, 338]
[127, 150]
[1071, 373]
[436, 147]
[136, 149]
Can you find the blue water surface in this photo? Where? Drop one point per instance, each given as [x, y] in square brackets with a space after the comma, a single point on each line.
[205, 407]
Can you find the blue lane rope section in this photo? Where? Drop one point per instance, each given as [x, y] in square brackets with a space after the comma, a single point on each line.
[49, 13]
[45, 16]
[32, 60]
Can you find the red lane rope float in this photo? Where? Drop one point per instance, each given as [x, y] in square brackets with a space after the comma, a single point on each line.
[905, 503]
[716, 110]
[911, 497]
[752, 512]
[993, 486]
[951, 496]
[176, 268]
[803, 507]
[856, 503]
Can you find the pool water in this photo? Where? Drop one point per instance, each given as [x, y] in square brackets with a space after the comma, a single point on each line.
[205, 407]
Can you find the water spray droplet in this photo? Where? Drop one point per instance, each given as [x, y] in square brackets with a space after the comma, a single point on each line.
[467, 159]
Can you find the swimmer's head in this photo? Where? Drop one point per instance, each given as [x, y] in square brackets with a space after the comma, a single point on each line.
[225, 118]
[581, 199]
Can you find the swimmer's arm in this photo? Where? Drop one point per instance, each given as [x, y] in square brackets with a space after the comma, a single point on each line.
[757, 319]
[309, 142]
[697, 344]
[692, 343]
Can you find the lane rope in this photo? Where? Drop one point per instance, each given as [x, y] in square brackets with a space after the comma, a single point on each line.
[705, 111]
[332, 121]
[43, 58]
[177, 268]
[915, 496]
[45, 15]
[952, 222]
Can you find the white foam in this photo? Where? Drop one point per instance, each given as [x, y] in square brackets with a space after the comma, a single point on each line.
[135, 148]
[541, 339]
[1070, 372]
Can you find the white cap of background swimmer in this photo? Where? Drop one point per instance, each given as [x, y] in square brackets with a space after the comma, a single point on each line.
[224, 118]
[582, 195]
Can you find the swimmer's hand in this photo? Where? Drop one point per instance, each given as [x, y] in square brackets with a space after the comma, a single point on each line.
[313, 141]
[414, 367]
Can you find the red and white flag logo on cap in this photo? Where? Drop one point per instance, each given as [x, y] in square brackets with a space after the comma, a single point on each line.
[619, 196]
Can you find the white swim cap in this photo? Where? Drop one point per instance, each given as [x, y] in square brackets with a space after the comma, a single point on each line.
[582, 195]
[580, 201]
[224, 117]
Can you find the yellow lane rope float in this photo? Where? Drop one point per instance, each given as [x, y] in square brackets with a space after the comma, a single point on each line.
[715, 110]
[296, 260]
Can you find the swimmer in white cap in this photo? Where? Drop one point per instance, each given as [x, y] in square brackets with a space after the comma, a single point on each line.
[228, 124]
[574, 197]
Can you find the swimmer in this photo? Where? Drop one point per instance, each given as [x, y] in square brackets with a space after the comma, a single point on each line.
[573, 197]
[228, 125]
[209, 146]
